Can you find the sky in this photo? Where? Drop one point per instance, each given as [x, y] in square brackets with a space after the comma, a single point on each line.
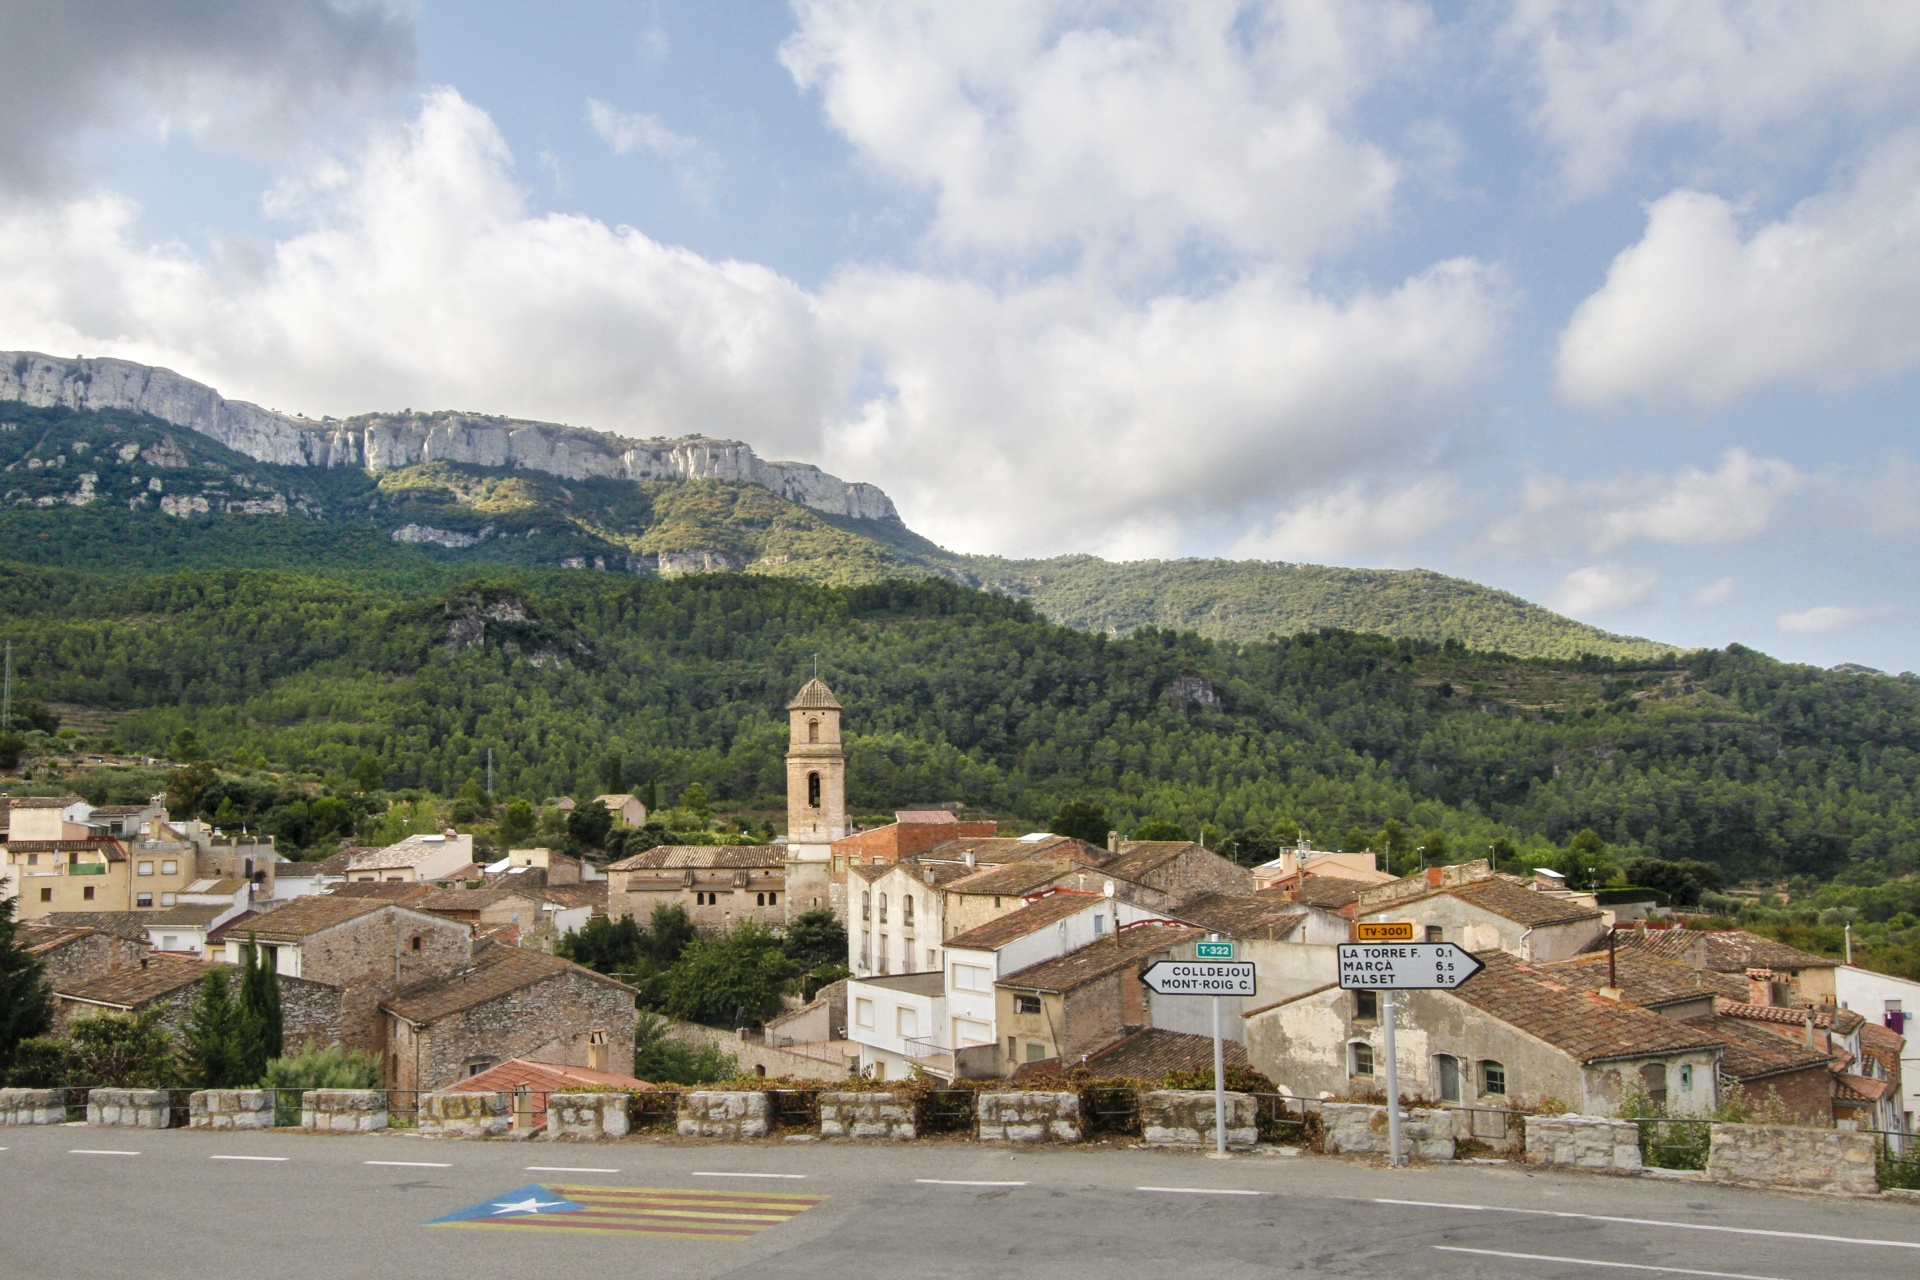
[1614, 307]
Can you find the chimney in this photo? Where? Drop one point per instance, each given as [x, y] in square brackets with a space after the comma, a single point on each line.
[968, 855]
[1113, 841]
[1434, 876]
[928, 874]
[1760, 987]
[1812, 1042]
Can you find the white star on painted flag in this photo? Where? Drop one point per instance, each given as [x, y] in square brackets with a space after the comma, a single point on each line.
[532, 1204]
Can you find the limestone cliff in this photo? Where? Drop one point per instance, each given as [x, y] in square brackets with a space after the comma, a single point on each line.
[381, 442]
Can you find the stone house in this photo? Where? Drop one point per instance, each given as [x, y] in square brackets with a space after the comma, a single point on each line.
[1767, 1072]
[718, 885]
[417, 858]
[310, 1012]
[627, 810]
[1865, 1082]
[77, 953]
[998, 887]
[1294, 947]
[1162, 875]
[1495, 913]
[1797, 977]
[1074, 1005]
[1153, 1053]
[1300, 864]
[1510, 1035]
[506, 1003]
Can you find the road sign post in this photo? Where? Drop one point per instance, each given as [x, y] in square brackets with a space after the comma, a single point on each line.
[1387, 966]
[1218, 978]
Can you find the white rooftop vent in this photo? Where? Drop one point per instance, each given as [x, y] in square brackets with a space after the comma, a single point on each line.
[431, 839]
[495, 868]
[1036, 837]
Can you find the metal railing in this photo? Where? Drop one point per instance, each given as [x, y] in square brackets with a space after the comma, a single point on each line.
[947, 1111]
[1289, 1121]
[1674, 1144]
[793, 1108]
[1897, 1160]
[1110, 1110]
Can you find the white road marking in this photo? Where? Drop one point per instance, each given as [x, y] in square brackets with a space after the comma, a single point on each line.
[700, 1174]
[963, 1182]
[262, 1159]
[1595, 1262]
[1660, 1222]
[408, 1164]
[566, 1168]
[1204, 1191]
[87, 1151]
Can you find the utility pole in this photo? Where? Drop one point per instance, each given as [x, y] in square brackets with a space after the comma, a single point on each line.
[489, 773]
[6, 698]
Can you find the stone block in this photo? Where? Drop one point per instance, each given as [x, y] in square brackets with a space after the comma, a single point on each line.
[343, 1110]
[1355, 1128]
[230, 1109]
[871, 1116]
[1584, 1142]
[1777, 1155]
[33, 1106]
[712, 1113]
[1028, 1117]
[587, 1115]
[129, 1108]
[1185, 1118]
[466, 1115]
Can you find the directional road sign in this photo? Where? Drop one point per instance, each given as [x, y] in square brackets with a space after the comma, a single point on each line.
[1199, 977]
[1405, 966]
[1383, 931]
[1213, 950]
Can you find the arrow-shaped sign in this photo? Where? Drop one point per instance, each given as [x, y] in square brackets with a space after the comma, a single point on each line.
[1405, 966]
[1199, 977]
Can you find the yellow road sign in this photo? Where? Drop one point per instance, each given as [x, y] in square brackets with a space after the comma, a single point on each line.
[1384, 931]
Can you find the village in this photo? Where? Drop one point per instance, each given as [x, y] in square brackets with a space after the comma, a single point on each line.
[1011, 967]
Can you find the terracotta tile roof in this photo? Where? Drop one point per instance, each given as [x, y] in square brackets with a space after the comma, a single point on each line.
[924, 872]
[1268, 917]
[1753, 1053]
[336, 864]
[237, 928]
[1879, 1040]
[542, 1079]
[134, 988]
[1723, 950]
[814, 696]
[1852, 1088]
[1153, 1054]
[1012, 880]
[1839, 1021]
[1098, 958]
[722, 857]
[1646, 980]
[1506, 898]
[298, 870]
[932, 984]
[45, 802]
[1329, 893]
[304, 917]
[592, 894]
[40, 939]
[1143, 857]
[188, 915]
[131, 925]
[407, 853]
[407, 891]
[495, 972]
[1576, 1022]
[995, 851]
[110, 849]
[1037, 914]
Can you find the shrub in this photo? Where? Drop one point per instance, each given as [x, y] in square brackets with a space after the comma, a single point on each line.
[658, 1058]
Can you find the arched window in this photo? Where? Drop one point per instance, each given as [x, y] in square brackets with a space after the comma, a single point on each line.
[1493, 1078]
[1446, 1068]
[866, 904]
[813, 731]
[906, 911]
[1653, 1078]
[813, 790]
[883, 908]
[1360, 1058]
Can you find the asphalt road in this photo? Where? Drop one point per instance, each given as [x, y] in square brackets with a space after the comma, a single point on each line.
[80, 1202]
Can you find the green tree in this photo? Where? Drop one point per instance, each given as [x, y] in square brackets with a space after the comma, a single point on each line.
[659, 1058]
[188, 788]
[1161, 831]
[210, 1056]
[669, 932]
[1682, 882]
[588, 825]
[614, 774]
[260, 1025]
[815, 939]
[26, 1002]
[516, 824]
[694, 800]
[366, 774]
[1585, 862]
[186, 746]
[730, 978]
[12, 747]
[603, 945]
[123, 1051]
[1082, 820]
[1250, 848]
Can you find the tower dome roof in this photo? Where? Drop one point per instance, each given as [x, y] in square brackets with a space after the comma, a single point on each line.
[814, 696]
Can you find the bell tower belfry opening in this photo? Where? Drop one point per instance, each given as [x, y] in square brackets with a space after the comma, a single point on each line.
[816, 793]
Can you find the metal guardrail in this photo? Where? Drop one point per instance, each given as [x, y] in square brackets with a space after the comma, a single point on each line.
[947, 1111]
[1897, 1159]
[793, 1108]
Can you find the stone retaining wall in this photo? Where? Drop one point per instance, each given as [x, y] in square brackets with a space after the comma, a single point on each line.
[1775, 1155]
[129, 1108]
[33, 1106]
[1184, 1118]
[344, 1110]
[1355, 1128]
[866, 1115]
[706, 1113]
[587, 1115]
[466, 1115]
[1028, 1117]
[230, 1109]
[1584, 1142]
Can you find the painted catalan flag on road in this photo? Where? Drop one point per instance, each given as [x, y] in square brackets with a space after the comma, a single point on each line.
[647, 1211]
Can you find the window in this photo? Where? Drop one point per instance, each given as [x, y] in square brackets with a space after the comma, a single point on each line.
[1099, 925]
[1360, 1058]
[1653, 1078]
[1493, 1078]
[759, 899]
[972, 977]
[968, 1033]
[813, 731]
[169, 868]
[142, 899]
[907, 1022]
[883, 954]
[33, 859]
[866, 904]
[1366, 1006]
[1036, 1052]
[144, 869]
[883, 908]
[1436, 934]
[773, 898]
[813, 790]
[863, 1013]
[169, 942]
[46, 895]
[87, 893]
[416, 937]
[906, 911]
[478, 1065]
[1026, 1004]
[168, 899]
[1446, 1068]
[1782, 995]
[1686, 1079]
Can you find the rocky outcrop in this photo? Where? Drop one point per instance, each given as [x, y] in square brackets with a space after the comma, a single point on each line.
[382, 442]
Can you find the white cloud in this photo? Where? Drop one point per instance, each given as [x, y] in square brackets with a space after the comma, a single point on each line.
[1736, 502]
[1701, 313]
[1751, 75]
[1122, 130]
[1823, 620]
[1604, 588]
[1346, 523]
[1715, 593]
[628, 131]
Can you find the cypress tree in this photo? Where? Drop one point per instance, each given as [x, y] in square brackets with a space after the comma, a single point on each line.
[26, 1002]
[260, 1023]
[213, 1035]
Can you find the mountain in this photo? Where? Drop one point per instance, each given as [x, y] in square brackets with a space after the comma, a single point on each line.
[111, 462]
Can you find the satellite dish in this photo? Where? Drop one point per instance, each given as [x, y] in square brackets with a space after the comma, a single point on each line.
[1107, 888]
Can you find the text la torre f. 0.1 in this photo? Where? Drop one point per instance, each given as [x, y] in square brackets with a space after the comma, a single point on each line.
[1405, 966]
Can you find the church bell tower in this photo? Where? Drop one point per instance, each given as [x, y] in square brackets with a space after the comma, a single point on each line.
[816, 794]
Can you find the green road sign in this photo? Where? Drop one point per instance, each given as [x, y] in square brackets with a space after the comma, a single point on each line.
[1213, 950]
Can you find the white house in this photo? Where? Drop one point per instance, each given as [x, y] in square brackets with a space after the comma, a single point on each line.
[417, 858]
[1894, 1003]
[897, 1021]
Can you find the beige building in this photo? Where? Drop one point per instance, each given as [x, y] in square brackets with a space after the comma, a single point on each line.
[816, 796]
[717, 885]
[417, 858]
[1491, 913]
[1072, 1006]
[627, 810]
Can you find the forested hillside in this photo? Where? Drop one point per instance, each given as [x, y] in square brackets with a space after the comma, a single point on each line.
[115, 489]
[1767, 769]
